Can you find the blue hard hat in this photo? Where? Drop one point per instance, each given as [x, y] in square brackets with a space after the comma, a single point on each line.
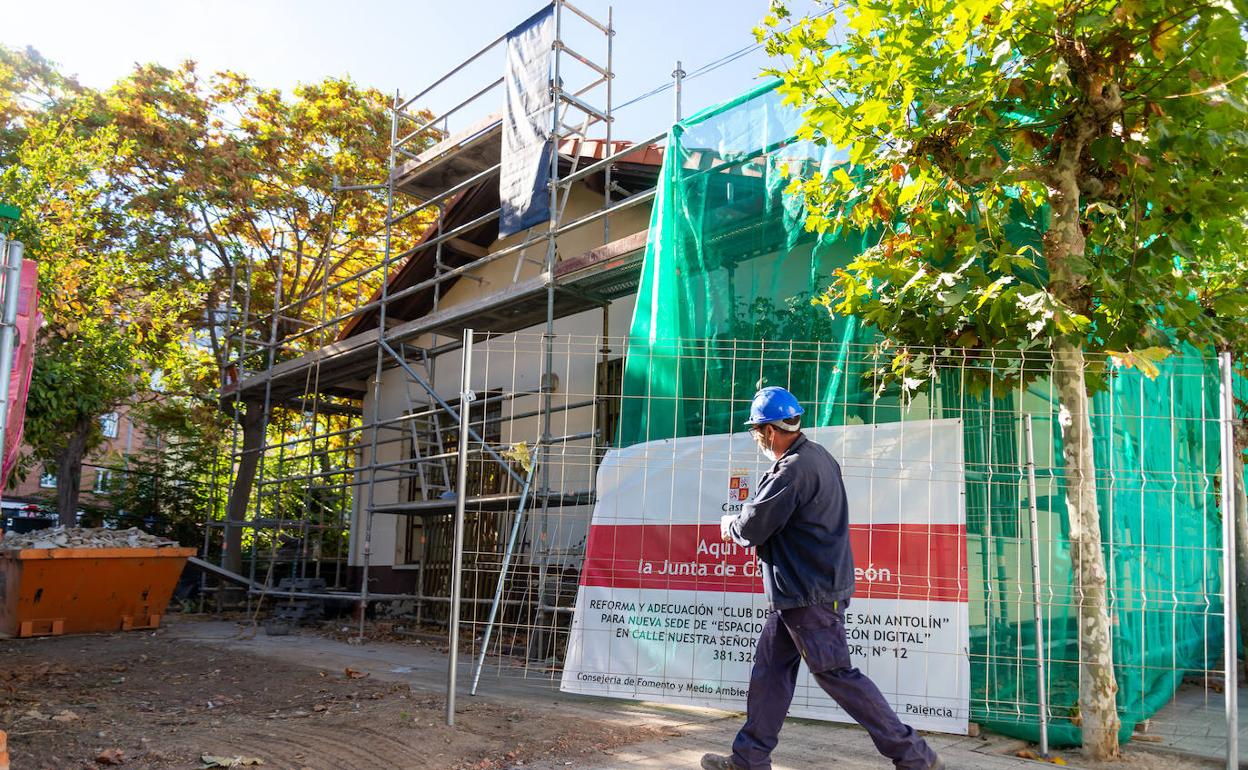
[771, 404]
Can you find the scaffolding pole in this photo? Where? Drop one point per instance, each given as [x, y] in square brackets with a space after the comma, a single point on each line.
[1230, 660]
[678, 75]
[291, 326]
[466, 397]
[367, 512]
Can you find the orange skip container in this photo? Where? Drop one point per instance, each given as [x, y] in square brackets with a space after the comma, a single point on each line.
[53, 591]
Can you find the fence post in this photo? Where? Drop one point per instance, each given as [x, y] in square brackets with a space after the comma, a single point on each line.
[1229, 648]
[1041, 679]
[466, 397]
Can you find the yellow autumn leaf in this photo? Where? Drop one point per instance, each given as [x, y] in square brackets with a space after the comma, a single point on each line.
[1144, 360]
[520, 453]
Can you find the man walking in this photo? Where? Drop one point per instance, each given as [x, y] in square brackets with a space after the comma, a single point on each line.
[799, 522]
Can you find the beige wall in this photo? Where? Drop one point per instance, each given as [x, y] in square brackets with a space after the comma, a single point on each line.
[513, 363]
[530, 263]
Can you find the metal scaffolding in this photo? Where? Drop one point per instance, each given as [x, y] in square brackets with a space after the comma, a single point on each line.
[312, 368]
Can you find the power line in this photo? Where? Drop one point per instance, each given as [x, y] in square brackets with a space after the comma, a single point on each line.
[708, 67]
[704, 69]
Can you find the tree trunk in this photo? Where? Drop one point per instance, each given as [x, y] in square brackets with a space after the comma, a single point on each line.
[254, 422]
[1241, 537]
[1064, 243]
[69, 473]
[1097, 685]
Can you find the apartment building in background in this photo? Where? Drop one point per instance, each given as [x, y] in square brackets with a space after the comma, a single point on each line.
[102, 470]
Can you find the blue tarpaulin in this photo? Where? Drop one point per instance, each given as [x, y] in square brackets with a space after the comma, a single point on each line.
[524, 177]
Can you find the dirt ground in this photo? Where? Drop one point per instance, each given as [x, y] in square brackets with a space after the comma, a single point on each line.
[142, 700]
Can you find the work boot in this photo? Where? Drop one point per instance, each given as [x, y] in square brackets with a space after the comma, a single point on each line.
[719, 762]
[937, 764]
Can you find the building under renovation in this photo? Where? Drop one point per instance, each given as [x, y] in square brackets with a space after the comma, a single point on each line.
[611, 293]
[560, 256]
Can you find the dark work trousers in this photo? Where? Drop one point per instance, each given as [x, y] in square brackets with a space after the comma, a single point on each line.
[816, 634]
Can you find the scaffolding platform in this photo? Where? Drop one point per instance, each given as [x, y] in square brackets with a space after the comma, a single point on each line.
[582, 283]
[481, 503]
[452, 161]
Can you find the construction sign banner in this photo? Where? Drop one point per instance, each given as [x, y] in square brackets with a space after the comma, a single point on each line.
[667, 612]
[29, 319]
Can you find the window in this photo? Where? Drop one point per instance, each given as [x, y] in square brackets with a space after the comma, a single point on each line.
[48, 479]
[103, 481]
[158, 381]
[108, 424]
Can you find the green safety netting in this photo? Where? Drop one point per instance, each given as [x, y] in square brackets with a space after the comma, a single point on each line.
[724, 307]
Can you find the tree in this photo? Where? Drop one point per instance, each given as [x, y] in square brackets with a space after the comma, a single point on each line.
[149, 199]
[1221, 279]
[115, 307]
[1121, 126]
[169, 489]
[241, 178]
[30, 85]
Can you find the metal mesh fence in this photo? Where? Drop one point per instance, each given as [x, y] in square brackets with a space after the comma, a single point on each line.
[557, 463]
[1157, 449]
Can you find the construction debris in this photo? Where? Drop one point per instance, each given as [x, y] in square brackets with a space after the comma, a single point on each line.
[211, 761]
[83, 537]
[1029, 754]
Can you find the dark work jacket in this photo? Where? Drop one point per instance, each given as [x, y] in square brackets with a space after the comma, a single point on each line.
[799, 521]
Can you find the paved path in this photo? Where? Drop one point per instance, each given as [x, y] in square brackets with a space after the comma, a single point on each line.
[804, 744]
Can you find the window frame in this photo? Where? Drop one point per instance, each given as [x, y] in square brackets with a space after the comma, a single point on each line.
[105, 475]
[110, 419]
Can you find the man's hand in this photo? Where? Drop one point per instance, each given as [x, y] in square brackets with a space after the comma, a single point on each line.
[725, 524]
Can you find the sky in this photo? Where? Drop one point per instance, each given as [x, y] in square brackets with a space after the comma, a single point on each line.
[402, 46]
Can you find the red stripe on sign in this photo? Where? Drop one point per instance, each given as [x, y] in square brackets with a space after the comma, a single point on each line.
[893, 561]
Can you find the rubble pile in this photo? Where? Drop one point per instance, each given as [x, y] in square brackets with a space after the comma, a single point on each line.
[83, 537]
